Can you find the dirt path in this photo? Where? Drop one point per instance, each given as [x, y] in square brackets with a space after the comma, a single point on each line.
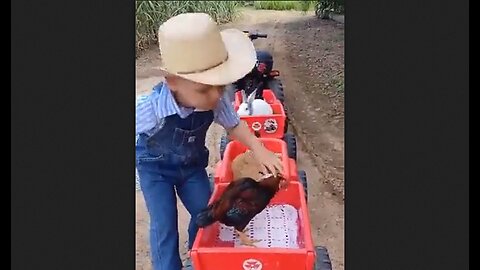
[326, 209]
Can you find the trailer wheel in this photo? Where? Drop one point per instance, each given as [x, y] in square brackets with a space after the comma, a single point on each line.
[285, 129]
[302, 177]
[291, 141]
[322, 260]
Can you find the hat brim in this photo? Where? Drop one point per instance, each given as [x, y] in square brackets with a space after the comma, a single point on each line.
[241, 60]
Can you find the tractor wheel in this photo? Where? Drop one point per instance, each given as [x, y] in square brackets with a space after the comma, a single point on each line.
[277, 88]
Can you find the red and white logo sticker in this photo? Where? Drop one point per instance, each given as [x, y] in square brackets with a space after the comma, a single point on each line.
[256, 126]
[252, 264]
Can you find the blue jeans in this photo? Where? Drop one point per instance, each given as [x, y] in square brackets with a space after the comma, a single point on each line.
[159, 186]
[172, 162]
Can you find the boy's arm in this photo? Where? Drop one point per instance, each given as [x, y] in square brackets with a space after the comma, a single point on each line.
[145, 116]
[226, 116]
[242, 133]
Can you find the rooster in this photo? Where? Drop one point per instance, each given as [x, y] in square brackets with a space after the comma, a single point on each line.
[241, 201]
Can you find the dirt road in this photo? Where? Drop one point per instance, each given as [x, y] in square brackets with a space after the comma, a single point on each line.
[298, 43]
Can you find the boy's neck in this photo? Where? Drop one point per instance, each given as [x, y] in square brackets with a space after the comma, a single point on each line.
[179, 100]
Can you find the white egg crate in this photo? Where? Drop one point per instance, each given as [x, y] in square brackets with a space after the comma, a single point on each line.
[276, 226]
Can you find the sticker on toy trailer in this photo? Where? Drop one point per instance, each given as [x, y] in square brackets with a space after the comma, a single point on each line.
[256, 126]
[270, 125]
[252, 264]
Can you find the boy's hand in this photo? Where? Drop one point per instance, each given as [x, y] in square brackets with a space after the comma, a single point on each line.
[269, 161]
[266, 158]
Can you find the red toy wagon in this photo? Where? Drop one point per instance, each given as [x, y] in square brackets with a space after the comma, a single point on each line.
[223, 170]
[276, 126]
[215, 246]
[266, 126]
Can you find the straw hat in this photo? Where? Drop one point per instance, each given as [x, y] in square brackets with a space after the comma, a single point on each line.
[193, 47]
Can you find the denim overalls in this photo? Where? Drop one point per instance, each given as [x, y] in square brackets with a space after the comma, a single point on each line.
[174, 158]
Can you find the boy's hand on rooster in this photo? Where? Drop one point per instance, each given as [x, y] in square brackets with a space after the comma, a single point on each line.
[283, 181]
[269, 161]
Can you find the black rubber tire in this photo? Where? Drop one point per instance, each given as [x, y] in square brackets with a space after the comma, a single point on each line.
[285, 129]
[277, 87]
[291, 142]
[322, 260]
[223, 145]
[302, 178]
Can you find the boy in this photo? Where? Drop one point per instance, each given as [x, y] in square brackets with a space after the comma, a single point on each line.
[172, 122]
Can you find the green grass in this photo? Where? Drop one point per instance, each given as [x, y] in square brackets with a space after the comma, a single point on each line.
[338, 81]
[150, 14]
[284, 5]
[328, 6]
